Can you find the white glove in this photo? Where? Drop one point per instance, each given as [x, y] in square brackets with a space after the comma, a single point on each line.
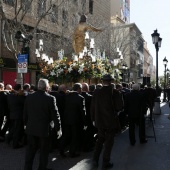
[52, 124]
[93, 123]
[59, 134]
[85, 127]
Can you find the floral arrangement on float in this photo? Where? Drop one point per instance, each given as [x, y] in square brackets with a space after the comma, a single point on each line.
[65, 70]
[89, 64]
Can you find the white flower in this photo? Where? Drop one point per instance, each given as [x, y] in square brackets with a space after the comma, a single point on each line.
[74, 64]
[70, 69]
[80, 70]
[60, 70]
[52, 73]
[82, 66]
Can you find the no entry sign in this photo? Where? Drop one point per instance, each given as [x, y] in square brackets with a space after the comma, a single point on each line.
[22, 63]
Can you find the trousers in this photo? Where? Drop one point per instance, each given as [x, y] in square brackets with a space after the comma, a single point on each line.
[35, 143]
[105, 136]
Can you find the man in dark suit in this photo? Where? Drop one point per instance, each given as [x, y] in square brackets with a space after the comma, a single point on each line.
[39, 111]
[150, 99]
[59, 92]
[105, 103]
[74, 120]
[3, 110]
[16, 101]
[88, 139]
[134, 107]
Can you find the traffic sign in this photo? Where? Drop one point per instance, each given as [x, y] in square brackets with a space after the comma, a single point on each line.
[22, 63]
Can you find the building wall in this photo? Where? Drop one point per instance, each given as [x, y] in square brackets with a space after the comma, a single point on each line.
[121, 8]
[130, 42]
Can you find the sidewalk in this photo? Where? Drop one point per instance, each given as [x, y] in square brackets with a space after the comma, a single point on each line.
[150, 156]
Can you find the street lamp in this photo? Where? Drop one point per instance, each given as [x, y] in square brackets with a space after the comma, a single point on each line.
[157, 42]
[20, 37]
[167, 76]
[124, 68]
[165, 62]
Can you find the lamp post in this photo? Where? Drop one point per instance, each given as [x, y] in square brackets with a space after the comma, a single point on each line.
[124, 68]
[20, 37]
[157, 42]
[167, 76]
[165, 62]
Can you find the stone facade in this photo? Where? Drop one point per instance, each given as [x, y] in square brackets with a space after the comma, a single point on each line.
[67, 16]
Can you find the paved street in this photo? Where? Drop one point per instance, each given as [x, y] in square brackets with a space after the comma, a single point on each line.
[150, 156]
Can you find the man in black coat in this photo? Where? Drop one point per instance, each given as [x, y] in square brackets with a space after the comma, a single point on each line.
[106, 102]
[16, 100]
[88, 139]
[74, 120]
[150, 99]
[134, 107]
[59, 92]
[39, 111]
[3, 110]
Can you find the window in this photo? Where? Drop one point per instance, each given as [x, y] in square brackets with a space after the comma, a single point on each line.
[26, 5]
[54, 14]
[91, 6]
[65, 18]
[41, 7]
[84, 6]
[10, 2]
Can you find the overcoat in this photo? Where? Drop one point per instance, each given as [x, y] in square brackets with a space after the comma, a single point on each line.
[39, 110]
[106, 102]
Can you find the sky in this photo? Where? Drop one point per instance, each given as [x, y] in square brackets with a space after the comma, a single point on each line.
[150, 15]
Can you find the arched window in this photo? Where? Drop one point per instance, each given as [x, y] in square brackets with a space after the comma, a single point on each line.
[91, 6]
[54, 14]
[41, 7]
[84, 6]
[65, 18]
[10, 2]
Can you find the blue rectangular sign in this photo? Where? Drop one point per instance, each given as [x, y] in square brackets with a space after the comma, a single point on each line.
[22, 63]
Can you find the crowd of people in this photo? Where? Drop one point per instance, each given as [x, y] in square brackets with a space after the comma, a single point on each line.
[72, 121]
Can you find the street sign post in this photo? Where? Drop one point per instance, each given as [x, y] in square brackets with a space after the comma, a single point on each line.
[22, 63]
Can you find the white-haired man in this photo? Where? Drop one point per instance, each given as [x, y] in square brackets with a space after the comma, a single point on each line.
[39, 110]
[134, 108]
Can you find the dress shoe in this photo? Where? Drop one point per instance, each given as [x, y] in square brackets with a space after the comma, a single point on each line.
[143, 140]
[62, 154]
[132, 142]
[107, 165]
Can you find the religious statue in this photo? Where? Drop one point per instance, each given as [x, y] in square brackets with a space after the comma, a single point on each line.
[79, 34]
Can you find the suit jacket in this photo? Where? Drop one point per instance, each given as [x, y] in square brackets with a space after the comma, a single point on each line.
[74, 113]
[105, 103]
[39, 110]
[60, 100]
[134, 104]
[3, 103]
[87, 98]
[151, 96]
[16, 105]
